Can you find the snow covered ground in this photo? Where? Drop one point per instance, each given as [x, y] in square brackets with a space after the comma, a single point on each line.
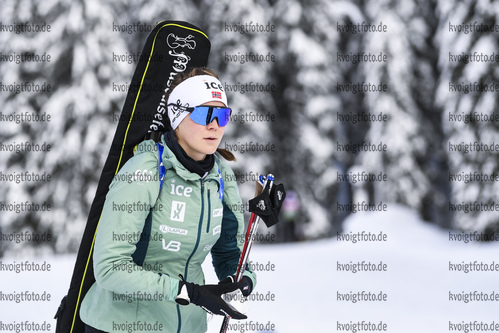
[307, 286]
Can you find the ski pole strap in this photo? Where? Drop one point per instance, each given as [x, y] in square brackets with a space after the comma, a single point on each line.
[268, 203]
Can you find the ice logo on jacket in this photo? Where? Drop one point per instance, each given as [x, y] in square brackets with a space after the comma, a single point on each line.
[174, 41]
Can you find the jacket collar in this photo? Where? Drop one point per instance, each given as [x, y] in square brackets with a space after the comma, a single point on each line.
[170, 161]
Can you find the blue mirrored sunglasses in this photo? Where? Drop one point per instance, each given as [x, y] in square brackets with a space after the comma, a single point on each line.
[204, 114]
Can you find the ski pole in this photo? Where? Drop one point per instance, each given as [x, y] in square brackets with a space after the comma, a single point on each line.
[253, 223]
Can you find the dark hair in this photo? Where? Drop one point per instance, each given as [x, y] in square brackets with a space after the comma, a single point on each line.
[184, 76]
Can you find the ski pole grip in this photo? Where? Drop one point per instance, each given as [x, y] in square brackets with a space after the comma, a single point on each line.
[258, 188]
[263, 182]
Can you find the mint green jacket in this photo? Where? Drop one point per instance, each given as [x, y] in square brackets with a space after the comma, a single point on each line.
[139, 252]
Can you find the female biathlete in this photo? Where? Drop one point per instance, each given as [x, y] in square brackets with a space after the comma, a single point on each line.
[154, 233]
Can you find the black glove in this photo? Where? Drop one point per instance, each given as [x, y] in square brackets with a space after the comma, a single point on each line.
[246, 285]
[208, 297]
[268, 206]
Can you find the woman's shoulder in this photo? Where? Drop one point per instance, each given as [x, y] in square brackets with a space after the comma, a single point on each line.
[224, 166]
[231, 191]
[145, 157]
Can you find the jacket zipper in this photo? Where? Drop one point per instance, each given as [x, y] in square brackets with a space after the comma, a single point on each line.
[200, 224]
[194, 250]
[209, 213]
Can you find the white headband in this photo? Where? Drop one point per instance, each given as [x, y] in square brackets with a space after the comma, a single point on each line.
[192, 92]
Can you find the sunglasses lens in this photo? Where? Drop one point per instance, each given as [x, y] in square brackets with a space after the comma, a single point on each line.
[222, 115]
[203, 115]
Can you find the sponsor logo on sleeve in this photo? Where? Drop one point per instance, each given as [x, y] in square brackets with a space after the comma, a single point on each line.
[218, 212]
[217, 230]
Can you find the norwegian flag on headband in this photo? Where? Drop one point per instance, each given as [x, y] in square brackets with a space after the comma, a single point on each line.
[216, 94]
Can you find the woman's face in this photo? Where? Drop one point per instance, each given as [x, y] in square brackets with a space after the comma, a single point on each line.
[199, 140]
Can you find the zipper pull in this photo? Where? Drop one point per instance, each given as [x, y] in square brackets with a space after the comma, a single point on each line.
[203, 179]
